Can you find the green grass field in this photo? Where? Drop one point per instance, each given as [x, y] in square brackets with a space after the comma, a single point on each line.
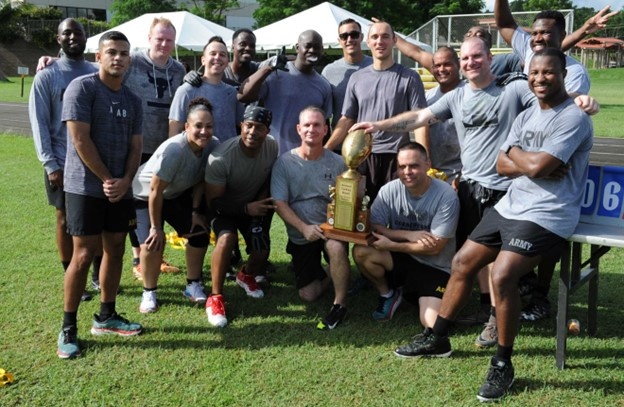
[606, 88]
[270, 354]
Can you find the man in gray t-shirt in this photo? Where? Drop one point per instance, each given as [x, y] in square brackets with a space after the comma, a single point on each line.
[380, 90]
[547, 155]
[414, 220]
[300, 187]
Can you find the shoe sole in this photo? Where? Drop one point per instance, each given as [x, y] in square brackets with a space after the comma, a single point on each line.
[252, 294]
[104, 331]
[194, 299]
[148, 310]
[439, 355]
[62, 355]
[483, 399]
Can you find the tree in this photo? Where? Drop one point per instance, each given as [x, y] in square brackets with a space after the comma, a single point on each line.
[125, 10]
[539, 5]
[213, 10]
[404, 15]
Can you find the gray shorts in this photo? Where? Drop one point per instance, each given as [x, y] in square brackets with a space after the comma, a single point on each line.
[56, 196]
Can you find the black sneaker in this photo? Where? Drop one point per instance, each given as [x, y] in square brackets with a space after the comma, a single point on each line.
[426, 344]
[535, 311]
[335, 316]
[86, 296]
[478, 318]
[499, 379]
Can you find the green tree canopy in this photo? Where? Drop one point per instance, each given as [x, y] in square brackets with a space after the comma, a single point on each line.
[213, 10]
[125, 10]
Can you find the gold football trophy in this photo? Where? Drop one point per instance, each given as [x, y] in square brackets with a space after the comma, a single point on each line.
[347, 213]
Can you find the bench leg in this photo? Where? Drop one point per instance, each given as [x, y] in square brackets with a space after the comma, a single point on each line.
[562, 306]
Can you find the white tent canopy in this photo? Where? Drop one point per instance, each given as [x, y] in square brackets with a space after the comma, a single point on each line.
[323, 18]
[192, 32]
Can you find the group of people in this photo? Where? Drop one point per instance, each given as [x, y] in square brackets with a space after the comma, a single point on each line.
[127, 145]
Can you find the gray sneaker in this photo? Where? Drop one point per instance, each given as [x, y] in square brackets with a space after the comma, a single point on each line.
[489, 336]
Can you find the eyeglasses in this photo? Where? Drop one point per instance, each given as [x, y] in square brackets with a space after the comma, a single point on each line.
[353, 34]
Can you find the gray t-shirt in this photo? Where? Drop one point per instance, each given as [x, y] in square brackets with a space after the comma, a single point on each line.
[338, 74]
[444, 149]
[242, 176]
[156, 85]
[304, 186]
[506, 63]
[175, 163]
[376, 95]
[286, 94]
[45, 106]
[485, 117]
[436, 211]
[227, 111]
[577, 78]
[115, 117]
[566, 133]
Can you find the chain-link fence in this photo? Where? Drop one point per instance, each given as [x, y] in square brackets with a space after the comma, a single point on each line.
[449, 30]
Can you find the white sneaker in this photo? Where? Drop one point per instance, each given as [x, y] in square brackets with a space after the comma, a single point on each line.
[215, 309]
[148, 302]
[195, 292]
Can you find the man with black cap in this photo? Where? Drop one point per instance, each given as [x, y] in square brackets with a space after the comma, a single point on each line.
[237, 192]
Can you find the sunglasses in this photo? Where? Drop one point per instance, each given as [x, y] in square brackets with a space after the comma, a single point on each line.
[353, 34]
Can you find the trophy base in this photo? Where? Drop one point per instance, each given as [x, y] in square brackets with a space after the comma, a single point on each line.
[362, 238]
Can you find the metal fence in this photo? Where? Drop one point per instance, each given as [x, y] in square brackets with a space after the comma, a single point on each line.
[449, 30]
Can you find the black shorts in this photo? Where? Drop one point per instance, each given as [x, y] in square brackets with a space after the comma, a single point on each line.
[176, 212]
[475, 201]
[243, 223]
[518, 236]
[417, 279]
[306, 260]
[56, 196]
[87, 215]
[378, 169]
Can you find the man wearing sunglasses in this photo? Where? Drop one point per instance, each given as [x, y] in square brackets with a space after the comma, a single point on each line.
[338, 72]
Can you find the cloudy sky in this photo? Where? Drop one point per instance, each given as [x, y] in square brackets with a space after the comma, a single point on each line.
[595, 4]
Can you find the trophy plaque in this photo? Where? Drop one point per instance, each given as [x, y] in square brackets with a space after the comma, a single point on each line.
[347, 213]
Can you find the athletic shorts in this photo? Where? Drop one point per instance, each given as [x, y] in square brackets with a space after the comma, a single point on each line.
[87, 215]
[176, 212]
[379, 169]
[255, 235]
[306, 261]
[56, 196]
[475, 201]
[518, 236]
[417, 279]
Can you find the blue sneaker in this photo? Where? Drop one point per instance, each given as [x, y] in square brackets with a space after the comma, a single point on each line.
[116, 324]
[388, 306]
[68, 343]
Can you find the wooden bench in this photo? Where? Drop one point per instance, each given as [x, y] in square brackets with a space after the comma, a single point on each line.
[602, 227]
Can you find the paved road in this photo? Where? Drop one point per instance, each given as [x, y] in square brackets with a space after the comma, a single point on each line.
[14, 119]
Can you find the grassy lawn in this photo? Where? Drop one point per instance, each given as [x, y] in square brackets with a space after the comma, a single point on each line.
[606, 88]
[270, 354]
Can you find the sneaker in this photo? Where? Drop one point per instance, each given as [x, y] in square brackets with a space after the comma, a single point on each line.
[215, 309]
[499, 379]
[136, 272]
[388, 306]
[358, 285]
[168, 268]
[261, 279]
[95, 285]
[535, 311]
[195, 292]
[116, 324]
[148, 302]
[526, 284]
[489, 336]
[335, 316]
[86, 296]
[68, 343]
[478, 318]
[249, 284]
[426, 344]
